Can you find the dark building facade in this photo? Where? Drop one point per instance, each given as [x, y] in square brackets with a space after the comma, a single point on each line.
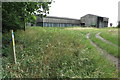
[88, 20]
[57, 22]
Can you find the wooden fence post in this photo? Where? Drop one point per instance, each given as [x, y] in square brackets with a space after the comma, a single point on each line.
[13, 41]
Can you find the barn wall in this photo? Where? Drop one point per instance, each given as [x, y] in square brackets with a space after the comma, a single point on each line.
[57, 22]
[94, 21]
[106, 22]
[89, 20]
[48, 24]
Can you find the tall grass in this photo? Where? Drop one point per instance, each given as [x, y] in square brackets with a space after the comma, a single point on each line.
[105, 46]
[54, 53]
[111, 35]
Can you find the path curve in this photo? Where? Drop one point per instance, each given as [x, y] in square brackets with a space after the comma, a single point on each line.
[111, 58]
[106, 41]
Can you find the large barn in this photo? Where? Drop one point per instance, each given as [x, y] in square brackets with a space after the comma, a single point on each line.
[94, 21]
[57, 22]
[88, 20]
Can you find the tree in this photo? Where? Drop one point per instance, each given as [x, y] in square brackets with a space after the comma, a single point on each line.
[16, 14]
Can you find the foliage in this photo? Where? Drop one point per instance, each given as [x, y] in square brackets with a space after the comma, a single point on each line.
[111, 35]
[44, 52]
[107, 47]
[16, 14]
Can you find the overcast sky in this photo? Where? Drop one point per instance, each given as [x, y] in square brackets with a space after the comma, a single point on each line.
[78, 8]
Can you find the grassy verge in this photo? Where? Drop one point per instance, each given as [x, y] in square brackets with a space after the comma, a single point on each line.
[111, 35]
[108, 47]
[53, 52]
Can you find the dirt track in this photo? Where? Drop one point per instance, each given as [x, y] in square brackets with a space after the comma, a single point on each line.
[111, 58]
[106, 41]
[108, 56]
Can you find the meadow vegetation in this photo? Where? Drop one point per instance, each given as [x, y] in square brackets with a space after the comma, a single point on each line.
[113, 50]
[47, 52]
[111, 35]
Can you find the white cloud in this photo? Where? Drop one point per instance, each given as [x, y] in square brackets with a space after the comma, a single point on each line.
[79, 8]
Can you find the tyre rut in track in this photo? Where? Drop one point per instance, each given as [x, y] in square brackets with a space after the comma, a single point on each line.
[111, 58]
[104, 40]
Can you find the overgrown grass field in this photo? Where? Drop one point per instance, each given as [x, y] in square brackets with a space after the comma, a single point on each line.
[47, 52]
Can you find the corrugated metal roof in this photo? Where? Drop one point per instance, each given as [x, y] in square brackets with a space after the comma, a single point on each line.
[94, 15]
[61, 17]
[53, 19]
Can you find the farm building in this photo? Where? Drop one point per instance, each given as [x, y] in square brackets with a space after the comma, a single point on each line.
[88, 20]
[57, 22]
[94, 21]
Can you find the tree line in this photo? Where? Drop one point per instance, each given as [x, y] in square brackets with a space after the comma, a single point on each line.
[16, 14]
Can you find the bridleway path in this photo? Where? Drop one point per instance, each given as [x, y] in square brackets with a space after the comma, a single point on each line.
[106, 41]
[111, 58]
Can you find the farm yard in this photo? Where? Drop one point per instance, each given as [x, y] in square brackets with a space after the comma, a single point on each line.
[60, 52]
